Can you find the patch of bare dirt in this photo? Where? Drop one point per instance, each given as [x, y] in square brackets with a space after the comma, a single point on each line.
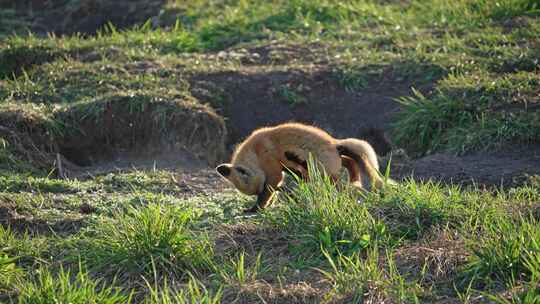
[440, 253]
[68, 17]
[25, 223]
[255, 99]
[202, 182]
[306, 286]
[192, 176]
[435, 260]
[252, 239]
[263, 292]
[505, 168]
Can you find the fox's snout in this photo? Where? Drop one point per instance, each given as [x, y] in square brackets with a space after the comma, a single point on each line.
[224, 170]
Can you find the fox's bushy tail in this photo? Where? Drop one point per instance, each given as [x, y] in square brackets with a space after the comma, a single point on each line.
[364, 157]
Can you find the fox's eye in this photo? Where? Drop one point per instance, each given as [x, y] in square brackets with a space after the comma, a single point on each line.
[242, 171]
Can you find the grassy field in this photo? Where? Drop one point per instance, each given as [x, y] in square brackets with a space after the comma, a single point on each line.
[470, 70]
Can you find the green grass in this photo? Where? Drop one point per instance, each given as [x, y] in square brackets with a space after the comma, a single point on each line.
[414, 209]
[473, 66]
[361, 279]
[292, 96]
[321, 216]
[74, 81]
[157, 182]
[195, 292]
[366, 43]
[507, 250]
[64, 287]
[9, 272]
[18, 183]
[471, 114]
[155, 235]
[22, 249]
[140, 241]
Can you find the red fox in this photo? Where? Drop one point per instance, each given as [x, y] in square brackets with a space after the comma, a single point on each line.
[259, 162]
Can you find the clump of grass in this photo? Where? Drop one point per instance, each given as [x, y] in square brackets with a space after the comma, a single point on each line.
[15, 59]
[194, 292]
[352, 78]
[428, 120]
[236, 271]
[507, 250]
[25, 248]
[465, 14]
[411, 209]
[523, 292]
[319, 214]
[63, 287]
[352, 274]
[10, 273]
[509, 9]
[371, 71]
[467, 113]
[140, 240]
[245, 23]
[528, 293]
[362, 279]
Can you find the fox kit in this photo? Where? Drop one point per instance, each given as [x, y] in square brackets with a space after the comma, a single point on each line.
[259, 162]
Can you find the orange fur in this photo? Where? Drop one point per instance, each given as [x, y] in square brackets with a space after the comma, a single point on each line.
[258, 162]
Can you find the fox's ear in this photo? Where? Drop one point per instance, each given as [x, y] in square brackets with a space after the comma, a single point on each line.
[224, 169]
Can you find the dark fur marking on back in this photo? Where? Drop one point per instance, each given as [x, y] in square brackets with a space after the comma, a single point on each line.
[295, 159]
[342, 150]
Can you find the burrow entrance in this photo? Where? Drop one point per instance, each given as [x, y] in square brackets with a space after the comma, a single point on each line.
[118, 126]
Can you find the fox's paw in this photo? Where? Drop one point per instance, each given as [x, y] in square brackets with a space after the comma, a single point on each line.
[254, 209]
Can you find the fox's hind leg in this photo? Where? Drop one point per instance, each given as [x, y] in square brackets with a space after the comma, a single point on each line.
[355, 177]
[365, 160]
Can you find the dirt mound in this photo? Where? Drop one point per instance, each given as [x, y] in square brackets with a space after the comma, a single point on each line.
[252, 98]
[24, 133]
[141, 124]
[68, 17]
[100, 129]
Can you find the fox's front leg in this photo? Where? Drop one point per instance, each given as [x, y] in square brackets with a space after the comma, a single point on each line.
[264, 198]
